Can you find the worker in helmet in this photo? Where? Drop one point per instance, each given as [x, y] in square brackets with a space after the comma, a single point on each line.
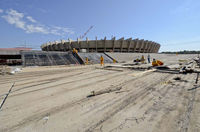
[142, 59]
[154, 63]
[86, 61]
[157, 62]
[102, 60]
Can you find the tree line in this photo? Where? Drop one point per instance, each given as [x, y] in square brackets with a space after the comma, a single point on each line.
[181, 52]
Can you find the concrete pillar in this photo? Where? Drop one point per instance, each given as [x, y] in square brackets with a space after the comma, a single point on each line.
[79, 44]
[113, 39]
[87, 43]
[153, 47]
[122, 42]
[96, 44]
[148, 46]
[154, 50]
[145, 46]
[104, 41]
[136, 44]
[141, 45]
[130, 44]
[69, 46]
[158, 48]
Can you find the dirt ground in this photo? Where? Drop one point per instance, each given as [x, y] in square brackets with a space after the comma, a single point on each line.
[54, 99]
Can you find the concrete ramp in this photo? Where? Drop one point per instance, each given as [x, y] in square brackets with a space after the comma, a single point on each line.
[94, 58]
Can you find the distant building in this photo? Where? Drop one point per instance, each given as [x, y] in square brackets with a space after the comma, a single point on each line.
[12, 56]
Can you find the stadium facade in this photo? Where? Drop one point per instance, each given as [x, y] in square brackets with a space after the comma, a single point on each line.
[104, 45]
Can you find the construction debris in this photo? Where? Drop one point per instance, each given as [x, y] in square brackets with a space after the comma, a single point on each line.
[95, 93]
[9, 70]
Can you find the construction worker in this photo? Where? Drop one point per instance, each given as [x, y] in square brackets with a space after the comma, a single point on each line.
[157, 62]
[154, 62]
[75, 51]
[142, 59]
[114, 61]
[148, 57]
[86, 62]
[102, 60]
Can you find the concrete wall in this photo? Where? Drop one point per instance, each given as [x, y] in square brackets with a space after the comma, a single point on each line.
[104, 45]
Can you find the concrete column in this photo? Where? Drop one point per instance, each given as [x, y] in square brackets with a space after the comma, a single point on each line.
[154, 50]
[145, 46]
[113, 39]
[23, 59]
[122, 42]
[151, 49]
[130, 44]
[87, 43]
[153, 46]
[104, 44]
[96, 44]
[141, 45]
[50, 46]
[158, 48]
[56, 46]
[69, 46]
[65, 46]
[136, 44]
[148, 46]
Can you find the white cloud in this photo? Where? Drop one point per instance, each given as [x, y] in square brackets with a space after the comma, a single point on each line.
[31, 19]
[36, 29]
[1, 10]
[16, 18]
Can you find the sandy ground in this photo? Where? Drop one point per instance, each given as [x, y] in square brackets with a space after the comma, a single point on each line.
[54, 99]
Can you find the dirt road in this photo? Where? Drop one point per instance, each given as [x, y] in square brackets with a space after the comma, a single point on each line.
[54, 99]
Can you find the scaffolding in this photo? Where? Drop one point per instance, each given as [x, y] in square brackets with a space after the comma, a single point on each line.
[43, 58]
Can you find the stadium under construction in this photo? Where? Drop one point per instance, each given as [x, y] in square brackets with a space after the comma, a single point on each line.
[104, 45]
[60, 53]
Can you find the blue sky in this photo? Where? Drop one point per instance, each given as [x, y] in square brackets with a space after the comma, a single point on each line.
[175, 24]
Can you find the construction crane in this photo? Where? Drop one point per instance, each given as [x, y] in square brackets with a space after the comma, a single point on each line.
[82, 36]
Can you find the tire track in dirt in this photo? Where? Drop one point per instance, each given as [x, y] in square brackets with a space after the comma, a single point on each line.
[127, 100]
[54, 110]
[46, 81]
[48, 87]
[30, 75]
